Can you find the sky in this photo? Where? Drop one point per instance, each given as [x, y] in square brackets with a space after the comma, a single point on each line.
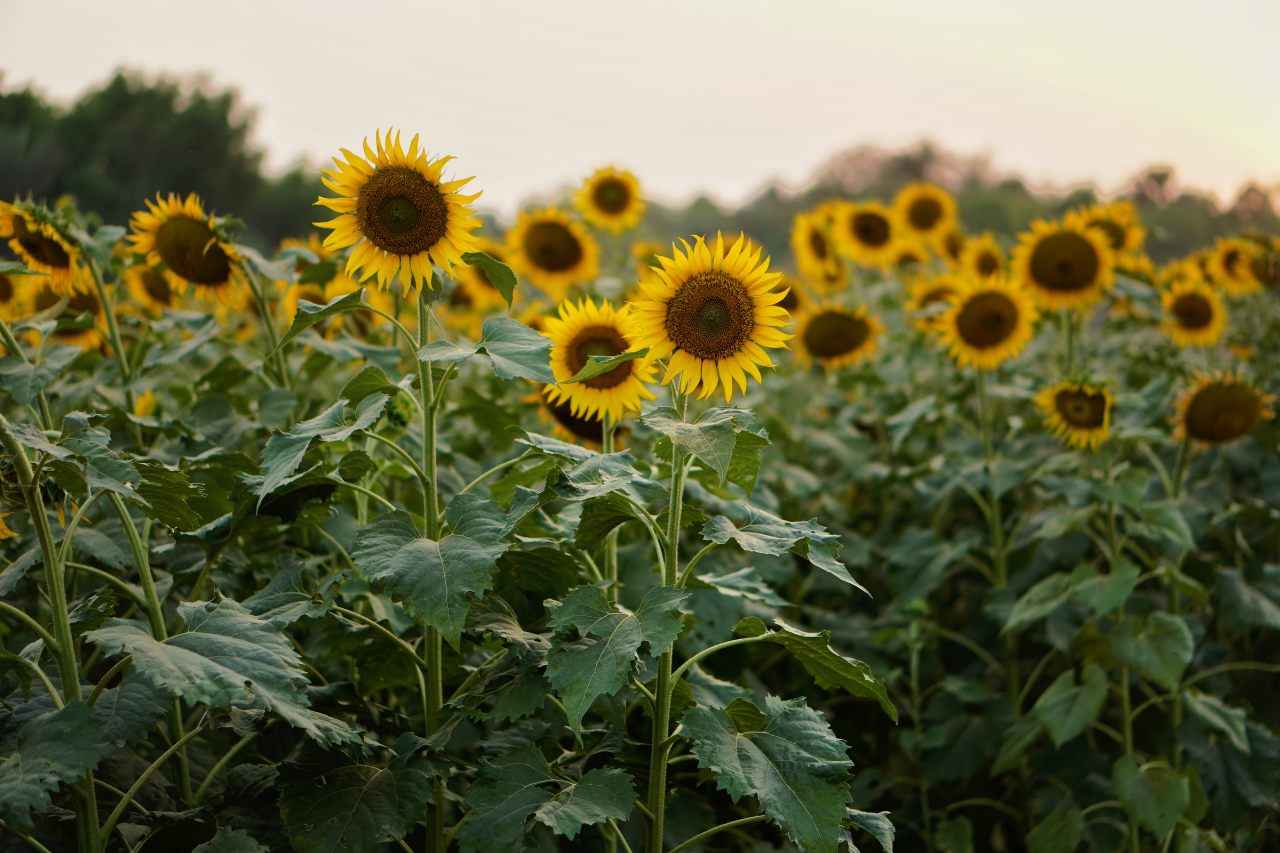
[706, 96]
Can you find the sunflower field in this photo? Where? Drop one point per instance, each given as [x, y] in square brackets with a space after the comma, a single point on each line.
[420, 535]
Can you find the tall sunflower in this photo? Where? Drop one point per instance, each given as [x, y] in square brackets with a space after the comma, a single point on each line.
[835, 336]
[1078, 413]
[41, 238]
[1118, 221]
[929, 300]
[151, 289]
[610, 200]
[711, 316]
[398, 213]
[190, 247]
[552, 250]
[45, 296]
[570, 427]
[925, 211]
[588, 329]
[811, 245]
[1194, 315]
[1064, 266]
[865, 232]
[989, 322]
[1231, 264]
[983, 256]
[1220, 408]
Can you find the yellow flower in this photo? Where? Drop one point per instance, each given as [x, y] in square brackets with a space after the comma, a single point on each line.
[836, 336]
[1118, 221]
[398, 213]
[14, 288]
[795, 297]
[989, 322]
[929, 300]
[5, 532]
[1136, 265]
[1064, 266]
[1231, 265]
[190, 246]
[151, 289]
[569, 427]
[552, 250]
[534, 315]
[1266, 263]
[865, 232]
[711, 315]
[811, 245]
[1220, 408]
[982, 256]
[145, 404]
[588, 329]
[951, 246]
[835, 276]
[909, 254]
[1194, 315]
[44, 297]
[926, 212]
[39, 237]
[1078, 413]
[610, 200]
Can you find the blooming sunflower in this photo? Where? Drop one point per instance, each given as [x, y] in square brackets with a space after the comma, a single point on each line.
[534, 315]
[909, 254]
[811, 244]
[1231, 264]
[610, 200]
[40, 238]
[1065, 266]
[588, 329]
[1220, 408]
[982, 256]
[865, 232]
[925, 211]
[1118, 221]
[398, 213]
[474, 286]
[989, 322]
[1078, 413]
[951, 246]
[711, 315]
[14, 290]
[929, 300]
[836, 336]
[191, 247]
[46, 296]
[1194, 315]
[1136, 265]
[151, 289]
[552, 250]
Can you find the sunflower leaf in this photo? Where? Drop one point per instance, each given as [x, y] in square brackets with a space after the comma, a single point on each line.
[598, 365]
[284, 450]
[515, 350]
[310, 313]
[498, 273]
[371, 380]
[1159, 649]
[25, 380]
[711, 438]
[765, 533]
[17, 268]
[52, 749]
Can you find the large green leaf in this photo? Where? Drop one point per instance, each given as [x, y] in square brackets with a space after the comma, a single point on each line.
[711, 438]
[765, 533]
[1164, 520]
[1254, 604]
[593, 477]
[876, 823]
[599, 659]
[1066, 709]
[498, 273]
[786, 756]
[284, 600]
[1217, 715]
[284, 450]
[25, 380]
[520, 787]
[1040, 601]
[309, 313]
[515, 350]
[1234, 781]
[227, 656]
[744, 465]
[51, 749]
[828, 667]
[954, 835]
[1159, 649]
[166, 492]
[600, 516]
[1153, 794]
[745, 583]
[1060, 832]
[371, 380]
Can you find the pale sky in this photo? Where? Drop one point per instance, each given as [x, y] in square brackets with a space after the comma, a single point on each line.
[716, 96]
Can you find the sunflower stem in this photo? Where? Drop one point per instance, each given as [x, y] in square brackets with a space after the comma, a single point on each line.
[610, 571]
[273, 334]
[117, 344]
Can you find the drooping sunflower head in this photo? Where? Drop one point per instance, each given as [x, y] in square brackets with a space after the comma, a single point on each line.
[795, 298]
[74, 327]
[1065, 266]
[151, 289]
[552, 250]
[1194, 314]
[711, 315]
[989, 322]
[42, 239]
[865, 232]
[1221, 408]
[188, 247]
[398, 213]
[812, 247]
[590, 329]
[983, 256]
[929, 300]
[926, 211]
[1231, 265]
[610, 200]
[835, 336]
[1078, 413]
[1118, 221]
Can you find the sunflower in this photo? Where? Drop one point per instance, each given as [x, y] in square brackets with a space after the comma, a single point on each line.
[1231, 264]
[951, 246]
[929, 300]
[1220, 408]
[835, 277]
[1118, 221]
[588, 329]
[795, 298]
[711, 315]
[322, 282]
[610, 200]
[1136, 265]
[534, 315]
[151, 289]
[811, 244]
[1266, 263]
[909, 254]
[1078, 413]
[865, 231]
[14, 290]
[567, 426]
[1194, 315]
[46, 296]
[989, 322]
[40, 238]
[552, 250]
[1065, 266]
[982, 256]
[474, 287]
[192, 248]
[398, 213]
[836, 336]
[925, 211]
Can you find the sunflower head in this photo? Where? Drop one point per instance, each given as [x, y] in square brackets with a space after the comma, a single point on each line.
[151, 289]
[866, 232]
[929, 300]
[1064, 266]
[925, 211]
[951, 246]
[1194, 314]
[835, 336]
[1136, 265]
[1118, 222]
[398, 213]
[188, 247]
[42, 239]
[610, 200]
[909, 255]
[989, 322]
[645, 254]
[570, 427]
[552, 250]
[589, 329]
[711, 314]
[15, 295]
[1221, 408]
[982, 256]
[811, 244]
[1078, 413]
[795, 298]
[71, 329]
[1265, 265]
[1231, 266]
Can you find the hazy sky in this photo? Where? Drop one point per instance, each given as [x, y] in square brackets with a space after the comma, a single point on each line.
[706, 95]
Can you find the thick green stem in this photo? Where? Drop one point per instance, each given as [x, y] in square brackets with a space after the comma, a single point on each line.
[219, 767]
[999, 543]
[610, 568]
[710, 832]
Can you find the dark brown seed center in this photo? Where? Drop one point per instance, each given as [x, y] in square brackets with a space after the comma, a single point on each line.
[1193, 311]
[1081, 409]
[1222, 412]
[711, 315]
[599, 340]
[157, 286]
[870, 229]
[402, 212]
[584, 428]
[612, 195]
[924, 213]
[834, 333]
[189, 248]
[987, 320]
[1116, 234]
[1065, 262]
[7, 290]
[988, 264]
[40, 248]
[818, 244]
[552, 247]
